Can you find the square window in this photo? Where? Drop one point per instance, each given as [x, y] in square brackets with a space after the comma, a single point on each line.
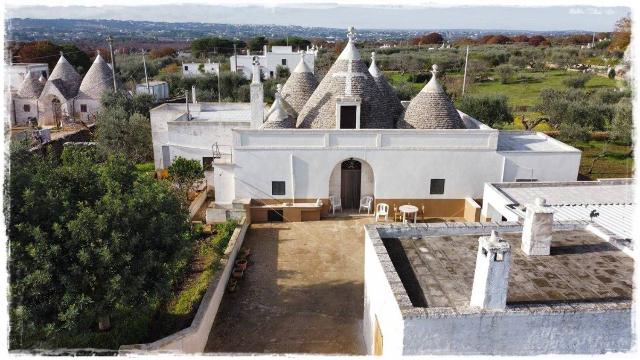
[186, 68]
[43, 73]
[83, 108]
[26, 108]
[277, 188]
[207, 163]
[437, 187]
[284, 62]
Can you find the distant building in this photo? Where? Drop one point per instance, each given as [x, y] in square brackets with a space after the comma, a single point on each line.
[159, 89]
[195, 69]
[269, 61]
[18, 71]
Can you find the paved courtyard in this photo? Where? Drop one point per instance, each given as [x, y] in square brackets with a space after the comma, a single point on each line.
[302, 293]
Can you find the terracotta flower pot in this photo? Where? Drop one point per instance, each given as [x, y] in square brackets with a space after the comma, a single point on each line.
[241, 264]
[237, 273]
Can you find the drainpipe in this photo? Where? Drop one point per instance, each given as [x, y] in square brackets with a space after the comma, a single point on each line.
[293, 183]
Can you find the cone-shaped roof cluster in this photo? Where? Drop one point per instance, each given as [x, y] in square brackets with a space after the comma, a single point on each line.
[347, 80]
[388, 92]
[30, 87]
[278, 117]
[98, 80]
[431, 109]
[65, 77]
[299, 87]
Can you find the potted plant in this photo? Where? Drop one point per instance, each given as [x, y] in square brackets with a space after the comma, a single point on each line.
[245, 252]
[241, 264]
[237, 273]
[232, 285]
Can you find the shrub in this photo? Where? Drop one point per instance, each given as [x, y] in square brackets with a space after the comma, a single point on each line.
[622, 125]
[489, 109]
[576, 81]
[573, 132]
[505, 72]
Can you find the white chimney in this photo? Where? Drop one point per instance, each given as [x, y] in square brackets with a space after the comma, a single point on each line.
[538, 228]
[257, 96]
[264, 50]
[491, 278]
[193, 94]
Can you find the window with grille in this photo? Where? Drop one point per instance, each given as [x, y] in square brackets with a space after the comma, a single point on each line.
[437, 187]
[277, 188]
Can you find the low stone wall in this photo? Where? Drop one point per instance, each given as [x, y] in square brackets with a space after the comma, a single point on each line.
[197, 203]
[194, 338]
[57, 144]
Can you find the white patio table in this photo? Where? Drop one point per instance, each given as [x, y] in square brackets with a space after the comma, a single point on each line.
[408, 209]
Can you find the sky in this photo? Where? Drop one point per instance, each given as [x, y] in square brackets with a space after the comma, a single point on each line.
[371, 14]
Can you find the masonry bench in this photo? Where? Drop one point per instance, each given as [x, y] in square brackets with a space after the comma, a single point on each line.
[286, 212]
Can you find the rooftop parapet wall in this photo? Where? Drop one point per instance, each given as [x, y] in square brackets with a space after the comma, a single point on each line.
[476, 139]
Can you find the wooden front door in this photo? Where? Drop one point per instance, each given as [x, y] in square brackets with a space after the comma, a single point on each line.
[350, 184]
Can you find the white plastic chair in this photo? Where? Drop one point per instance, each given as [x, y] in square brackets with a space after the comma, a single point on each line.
[382, 210]
[336, 203]
[365, 203]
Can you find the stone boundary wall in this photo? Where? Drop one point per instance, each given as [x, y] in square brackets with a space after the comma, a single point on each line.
[197, 202]
[194, 338]
[56, 145]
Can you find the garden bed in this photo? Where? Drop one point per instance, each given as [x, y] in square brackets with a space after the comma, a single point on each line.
[178, 312]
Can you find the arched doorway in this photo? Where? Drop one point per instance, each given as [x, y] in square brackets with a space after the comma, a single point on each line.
[350, 183]
[56, 109]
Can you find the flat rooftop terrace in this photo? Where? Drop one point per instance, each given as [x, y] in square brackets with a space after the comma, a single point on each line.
[209, 111]
[530, 141]
[437, 271]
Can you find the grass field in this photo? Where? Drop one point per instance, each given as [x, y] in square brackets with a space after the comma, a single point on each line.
[611, 160]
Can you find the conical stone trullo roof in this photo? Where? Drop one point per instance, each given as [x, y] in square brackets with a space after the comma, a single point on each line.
[98, 80]
[348, 80]
[30, 87]
[431, 109]
[387, 91]
[66, 78]
[300, 86]
[278, 117]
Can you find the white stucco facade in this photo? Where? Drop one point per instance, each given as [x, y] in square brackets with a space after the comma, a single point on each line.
[270, 60]
[18, 71]
[195, 69]
[401, 161]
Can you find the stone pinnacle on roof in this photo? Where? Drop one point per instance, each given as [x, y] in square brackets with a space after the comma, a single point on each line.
[65, 77]
[278, 117]
[386, 89]
[42, 79]
[348, 81]
[97, 80]
[30, 87]
[255, 71]
[431, 108]
[299, 86]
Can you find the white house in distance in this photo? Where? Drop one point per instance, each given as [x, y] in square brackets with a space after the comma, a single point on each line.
[343, 138]
[196, 69]
[159, 89]
[270, 60]
[18, 71]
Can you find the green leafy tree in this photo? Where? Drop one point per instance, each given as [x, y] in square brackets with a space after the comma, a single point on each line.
[89, 241]
[282, 72]
[257, 43]
[118, 132]
[505, 72]
[576, 81]
[622, 125]
[184, 173]
[489, 109]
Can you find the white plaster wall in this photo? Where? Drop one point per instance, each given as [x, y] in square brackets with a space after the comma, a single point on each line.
[397, 173]
[93, 106]
[494, 205]
[380, 304]
[520, 333]
[223, 183]
[542, 166]
[21, 116]
[159, 117]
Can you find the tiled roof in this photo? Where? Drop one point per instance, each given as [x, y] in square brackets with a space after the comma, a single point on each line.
[349, 79]
[97, 80]
[30, 87]
[298, 88]
[431, 109]
[69, 79]
[387, 91]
